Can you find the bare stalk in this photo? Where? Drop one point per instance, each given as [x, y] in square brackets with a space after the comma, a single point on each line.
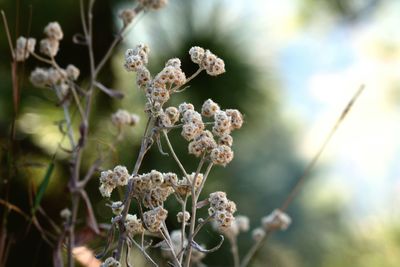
[234, 250]
[174, 154]
[127, 200]
[193, 217]
[299, 184]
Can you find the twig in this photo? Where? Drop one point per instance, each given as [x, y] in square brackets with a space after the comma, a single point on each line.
[174, 154]
[7, 30]
[256, 246]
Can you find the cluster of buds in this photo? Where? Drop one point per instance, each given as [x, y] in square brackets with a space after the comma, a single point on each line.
[221, 210]
[127, 16]
[154, 187]
[24, 47]
[55, 78]
[133, 225]
[277, 220]
[168, 117]
[159, 89]
[49, 45]
[258, 234]
[110, 179]
[193, 124]
[206, 60]
[137, 58]
[123, 117]
[111, 262]
[241, 224]
[183, 216]
[184, 186]
[153, 4]
[153, 219]
[117, 207]
[202, 141]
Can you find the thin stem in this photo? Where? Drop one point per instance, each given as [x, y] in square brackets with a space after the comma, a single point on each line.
[257, 245]
[67, 119]
[188, 79]
[83, 19]
[253, 250]
[234, 251]
[145, 254]
[118, 38]
[40, 58]
[128, 199]
[183, 227]
[200, 225]
[174, 154]
[8, 34]
[167, 239]
[314, 160]
[194, 209]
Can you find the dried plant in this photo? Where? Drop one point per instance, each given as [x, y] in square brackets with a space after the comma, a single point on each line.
[207, 131]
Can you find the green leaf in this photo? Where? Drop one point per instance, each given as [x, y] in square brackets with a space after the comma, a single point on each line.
[42, 187]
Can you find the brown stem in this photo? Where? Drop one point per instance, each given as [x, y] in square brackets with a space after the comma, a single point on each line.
[128, 199]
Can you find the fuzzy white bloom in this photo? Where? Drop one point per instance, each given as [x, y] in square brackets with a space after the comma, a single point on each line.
[196, 54]
[136, 58]
[49, 47]
[221, 209]
[184, 107]
[39, 77]
[65, 214]
[236, 118]
[127, 16]
[243, 223]
[24, 48]
[258, 234]
[72, 72]
[53, 31]
[111, 262]
[110, 179]
[133, 225]
[209, 108]
[183, 217]
[276, 220]
[154, 218]
[221, 155]
[123, 117]
[117, 207]
[153, 4]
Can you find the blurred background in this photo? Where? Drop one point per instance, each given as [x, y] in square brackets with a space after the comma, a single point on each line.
[292, 66]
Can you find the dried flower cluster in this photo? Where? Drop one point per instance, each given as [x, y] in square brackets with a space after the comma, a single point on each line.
[110, 179]
[123, 117]
[153, 4]
[183, 216]
[211, 63]
[133, 225]
[49, 45]
[24, 47]
[154, 218]
[111, 262]
[276, 220]
[221, 209]
[202, 141]
[241, 224]
[153, 188]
